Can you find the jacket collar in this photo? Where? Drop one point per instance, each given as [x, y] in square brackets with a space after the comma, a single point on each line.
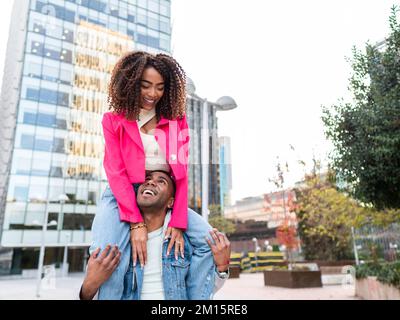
[131, 126]
[132, 129]
[166, 220]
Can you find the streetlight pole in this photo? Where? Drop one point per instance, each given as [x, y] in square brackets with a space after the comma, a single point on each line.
[355, 246]
[65, 258]
[204, 161]
[62, 198]
[42, 249]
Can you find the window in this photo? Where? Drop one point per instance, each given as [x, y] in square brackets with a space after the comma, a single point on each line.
[43, 145]
[21, 193]
[23, 165]
[65, 76]
[141, 38]
[56, 172]
[27, 141]
[40, 164]
[142, 3]
[59, 145]
[153, 42]
[61, 124]
[153, 6]
[38, 28]
[153, 21]
[142, 17]
[29, 118]
[165, 25]
[95, 4]
[48, 96]
[50, 73]
[60, 12]
[46, 120]
[68, 35]
[63, 99]
[164, 8]
[73, 221]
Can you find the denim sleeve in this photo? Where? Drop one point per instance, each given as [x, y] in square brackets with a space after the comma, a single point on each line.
[200, 279]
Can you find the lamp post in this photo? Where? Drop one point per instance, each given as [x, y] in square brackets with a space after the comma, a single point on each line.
[222, 104]
[255, 250]
[42, 245]
[65, 258]
[204, 161]
[355, 246]
[62, 198]
[266, 245]
[42, 248]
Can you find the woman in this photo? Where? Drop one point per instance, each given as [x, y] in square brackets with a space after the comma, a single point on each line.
[147, 130]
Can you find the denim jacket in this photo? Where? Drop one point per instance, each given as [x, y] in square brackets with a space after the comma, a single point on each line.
[175, 274]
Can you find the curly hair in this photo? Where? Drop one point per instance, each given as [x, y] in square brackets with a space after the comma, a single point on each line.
[124, 86]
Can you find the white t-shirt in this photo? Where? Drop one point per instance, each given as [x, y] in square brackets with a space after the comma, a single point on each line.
[152, 287]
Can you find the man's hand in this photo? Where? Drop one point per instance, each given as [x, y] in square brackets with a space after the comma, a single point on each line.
[139, 245]
[221, 249]
[177, 239]
[99, 269]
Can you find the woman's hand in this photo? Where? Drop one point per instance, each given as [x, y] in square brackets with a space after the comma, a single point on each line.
[139, 244]
[221, 249]
[177, 238]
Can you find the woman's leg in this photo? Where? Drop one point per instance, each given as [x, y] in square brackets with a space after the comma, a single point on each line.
[201, 274]
[108, 229]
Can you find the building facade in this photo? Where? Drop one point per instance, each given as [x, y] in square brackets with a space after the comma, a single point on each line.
[59, 58]
[272, 207]
[225, 162]
[195, 123]
[249, 208]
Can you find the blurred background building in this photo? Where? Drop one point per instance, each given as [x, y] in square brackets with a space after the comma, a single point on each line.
[225, 162]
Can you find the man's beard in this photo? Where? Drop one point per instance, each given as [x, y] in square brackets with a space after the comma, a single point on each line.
[151, 205]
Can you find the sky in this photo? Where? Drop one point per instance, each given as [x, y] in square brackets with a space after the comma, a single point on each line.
[280, 61]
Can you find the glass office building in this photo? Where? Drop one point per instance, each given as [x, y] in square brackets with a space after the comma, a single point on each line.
[225, 162]
[59, 57]
[195, 123]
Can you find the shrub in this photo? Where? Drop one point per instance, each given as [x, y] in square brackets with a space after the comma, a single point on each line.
[388, 273]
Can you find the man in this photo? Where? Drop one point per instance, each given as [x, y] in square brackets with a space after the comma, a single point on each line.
[164, 276]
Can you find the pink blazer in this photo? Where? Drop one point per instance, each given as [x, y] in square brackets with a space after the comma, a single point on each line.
[124, 163]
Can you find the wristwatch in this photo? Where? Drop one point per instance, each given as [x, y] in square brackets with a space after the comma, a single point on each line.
[223, 274]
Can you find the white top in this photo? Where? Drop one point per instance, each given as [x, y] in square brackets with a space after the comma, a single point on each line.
[153, 288]
[154, 157]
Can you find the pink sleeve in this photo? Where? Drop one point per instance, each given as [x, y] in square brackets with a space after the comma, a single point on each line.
[118, 180]
[179, 215]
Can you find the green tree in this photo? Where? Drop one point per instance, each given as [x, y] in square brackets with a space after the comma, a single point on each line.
[325, 217]
[366, 132]
[218, 221]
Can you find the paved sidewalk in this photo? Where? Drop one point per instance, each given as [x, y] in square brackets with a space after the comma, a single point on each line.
[250, 286]
[247, 287]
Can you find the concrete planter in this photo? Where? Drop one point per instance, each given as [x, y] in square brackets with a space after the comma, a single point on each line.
[371, 289]
[292, 278]
[234, 272]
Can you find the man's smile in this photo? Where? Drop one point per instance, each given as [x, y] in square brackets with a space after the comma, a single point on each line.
[149, 192]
